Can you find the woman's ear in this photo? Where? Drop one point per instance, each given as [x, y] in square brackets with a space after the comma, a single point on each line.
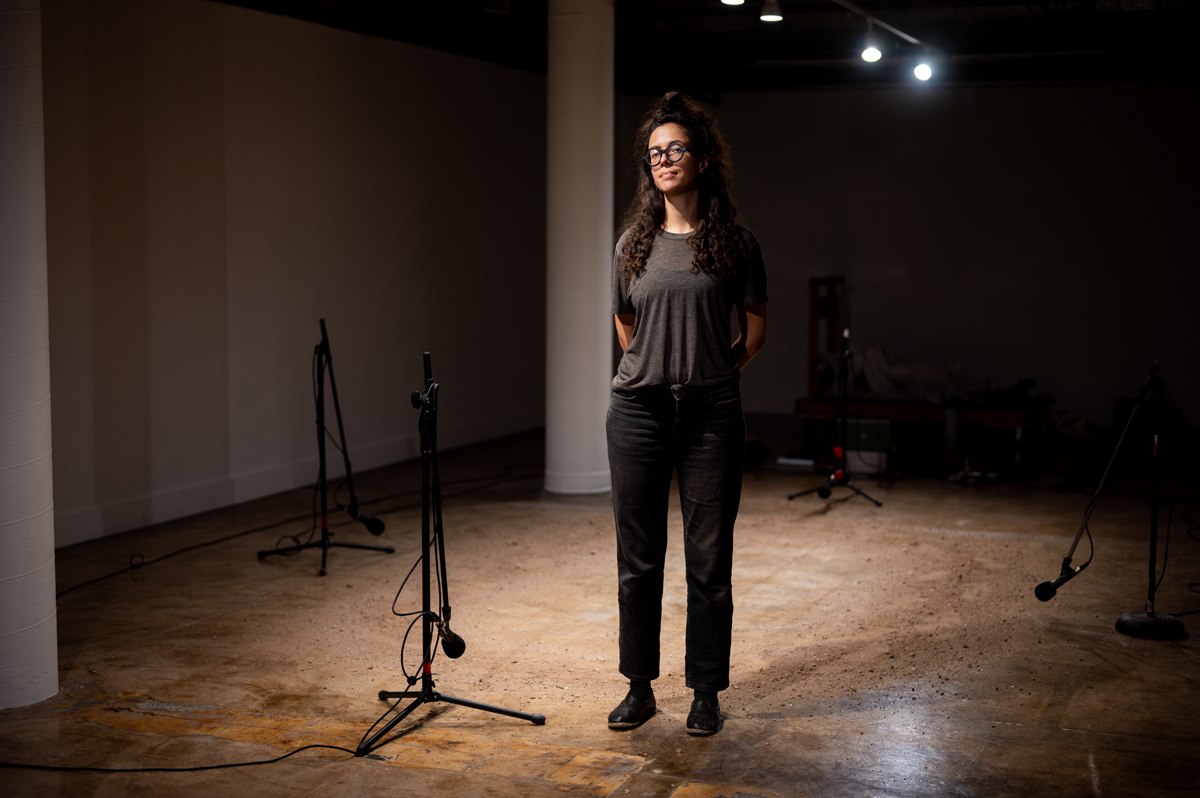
[703, 164]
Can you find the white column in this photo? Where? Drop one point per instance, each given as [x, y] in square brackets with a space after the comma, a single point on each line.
[579, 229]
[28, 626]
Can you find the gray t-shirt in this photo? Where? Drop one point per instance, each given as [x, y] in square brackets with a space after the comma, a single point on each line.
[682, 332]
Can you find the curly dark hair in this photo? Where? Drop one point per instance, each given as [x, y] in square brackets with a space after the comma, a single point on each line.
[718, 244]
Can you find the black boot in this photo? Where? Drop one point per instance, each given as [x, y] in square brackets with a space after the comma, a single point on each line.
[636, 709]
[705, 717]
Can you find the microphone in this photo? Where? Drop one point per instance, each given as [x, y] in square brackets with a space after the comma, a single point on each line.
[452, 644]
[373, 525]
[1046, 590]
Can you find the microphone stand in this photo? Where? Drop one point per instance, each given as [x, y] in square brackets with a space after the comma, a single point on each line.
[840, 478]
[1146, 623]
[452, 644]
[324, 360]
[1138, 623]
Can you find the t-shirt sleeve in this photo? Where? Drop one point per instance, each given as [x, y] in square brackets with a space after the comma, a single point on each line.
[755, 292]
[622, 304]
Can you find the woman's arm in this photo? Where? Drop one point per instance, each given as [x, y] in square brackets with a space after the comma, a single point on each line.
[752, 321]
[624, 329]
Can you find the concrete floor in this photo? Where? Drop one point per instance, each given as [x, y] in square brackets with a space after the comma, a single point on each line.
[877, 652]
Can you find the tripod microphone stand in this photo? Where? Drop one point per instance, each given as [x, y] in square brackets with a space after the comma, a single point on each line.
[1138, 623]
[432, 536]
[840, 478]
[322, 360]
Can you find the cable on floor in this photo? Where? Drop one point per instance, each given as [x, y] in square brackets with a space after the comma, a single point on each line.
[137, 561]
[69, 768]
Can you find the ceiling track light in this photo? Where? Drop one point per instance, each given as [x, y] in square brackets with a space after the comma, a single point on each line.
[733, 2]
[871, 52]
[873, 19]
[923, 71]
[771, 12]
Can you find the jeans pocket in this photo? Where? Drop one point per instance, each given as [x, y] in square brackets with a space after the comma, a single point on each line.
[628, 396]
[726, 396]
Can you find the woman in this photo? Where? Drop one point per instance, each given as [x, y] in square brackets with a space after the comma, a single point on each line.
[681, 265]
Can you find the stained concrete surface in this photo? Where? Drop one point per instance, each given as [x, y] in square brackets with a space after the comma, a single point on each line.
[894, 651]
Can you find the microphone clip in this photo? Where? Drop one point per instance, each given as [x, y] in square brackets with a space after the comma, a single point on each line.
[452, 644]
[1047, 590]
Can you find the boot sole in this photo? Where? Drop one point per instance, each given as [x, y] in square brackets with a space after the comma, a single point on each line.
[703, 732]
[627, 724]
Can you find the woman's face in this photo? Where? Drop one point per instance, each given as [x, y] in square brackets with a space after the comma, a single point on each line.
[684, 174]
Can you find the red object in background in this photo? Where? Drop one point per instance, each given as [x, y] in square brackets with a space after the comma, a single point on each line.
[837, 452]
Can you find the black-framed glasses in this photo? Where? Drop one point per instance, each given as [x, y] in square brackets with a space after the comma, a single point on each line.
[674, 154]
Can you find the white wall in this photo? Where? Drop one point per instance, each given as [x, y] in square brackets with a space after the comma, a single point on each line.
[219, 179]
[1045, 232]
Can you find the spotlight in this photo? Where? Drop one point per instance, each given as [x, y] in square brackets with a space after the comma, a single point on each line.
[923, 71]
[733, 2]
[771, 12]
[871, 53]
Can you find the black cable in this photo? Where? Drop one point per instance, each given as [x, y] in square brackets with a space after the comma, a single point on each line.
[141, 561]
[415, 614]
[405, 582]
[312, 529]
[440, 545]
[427, 661]
[1091, 548]
[1167, 543]
[137, 561]
[427, 657]
[431, 551]
[379, 720]
[1170, 493]
[175, 770]
[332, 441]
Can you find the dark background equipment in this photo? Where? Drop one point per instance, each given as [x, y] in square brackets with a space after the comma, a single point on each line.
[1138, 623]
[322, 360]
[840, 478]
[432, 544]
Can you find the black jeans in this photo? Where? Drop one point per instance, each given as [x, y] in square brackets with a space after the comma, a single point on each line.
[701, 434]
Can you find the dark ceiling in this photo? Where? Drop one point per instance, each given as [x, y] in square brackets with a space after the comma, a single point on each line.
[705, 47]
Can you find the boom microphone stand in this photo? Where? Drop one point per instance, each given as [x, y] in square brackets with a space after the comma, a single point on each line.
[1138, 623]
[452, 644]
[323, 360]
[840, 478]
